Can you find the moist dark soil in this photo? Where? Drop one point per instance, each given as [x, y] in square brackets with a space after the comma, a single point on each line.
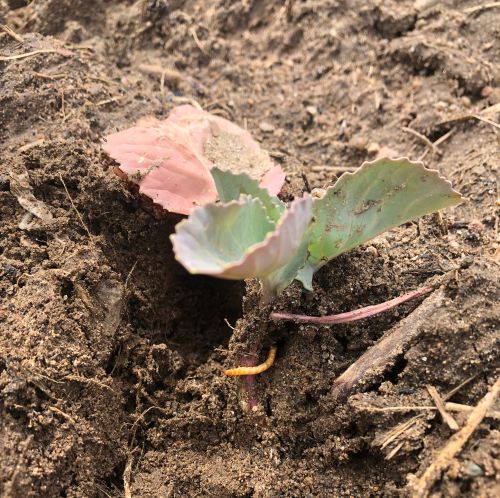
[111, 354]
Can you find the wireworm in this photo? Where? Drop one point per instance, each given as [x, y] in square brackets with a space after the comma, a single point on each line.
[258, 368]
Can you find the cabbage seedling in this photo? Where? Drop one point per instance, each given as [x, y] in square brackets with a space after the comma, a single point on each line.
[253, 234]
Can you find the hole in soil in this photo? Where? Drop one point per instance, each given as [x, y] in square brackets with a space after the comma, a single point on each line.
[40, 238]
[310, 400]
[17, 413]
[188, 397]
[113, 358]
[67, 289]
[210, 301]
[343, 341]
[365, 459]
[437, 134]
[466, 487]
[267, 406]
[393, 374]
[114, 481]
[4, 184]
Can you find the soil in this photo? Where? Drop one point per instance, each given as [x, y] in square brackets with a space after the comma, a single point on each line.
[111, 355]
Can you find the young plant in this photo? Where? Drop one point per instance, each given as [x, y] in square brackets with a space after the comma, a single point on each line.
[253, 234]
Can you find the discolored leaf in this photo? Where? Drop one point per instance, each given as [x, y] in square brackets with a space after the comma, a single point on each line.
[170, 160]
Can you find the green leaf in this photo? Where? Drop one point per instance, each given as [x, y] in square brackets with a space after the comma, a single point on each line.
[378, 196]
[280, 279]
[230, 186]
[237, 240]
[305, 276]
[216, 235]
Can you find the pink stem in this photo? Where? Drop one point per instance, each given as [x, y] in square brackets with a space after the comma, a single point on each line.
[248, 383]
[352, 316]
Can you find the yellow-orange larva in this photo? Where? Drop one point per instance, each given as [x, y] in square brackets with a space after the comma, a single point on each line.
[258, 368]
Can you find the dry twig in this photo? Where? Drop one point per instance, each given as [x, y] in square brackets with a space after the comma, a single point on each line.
[9, 31]
[167, 74]
[197, 41]
[449, 406]
[332, 169]
[455, 390]
[186, 100]
[33, 53]
[455, 444]
[76, 210]
[85, 380]
[423, 138]
[130, 274]
[468, 117]
[127, 474]
[482, 7]
[63, 414]
[48, 76]
[109, 101]
[375, 360]
[403, 427]
[30, 145]
[439, 141]
[438, 401]
[395, 432]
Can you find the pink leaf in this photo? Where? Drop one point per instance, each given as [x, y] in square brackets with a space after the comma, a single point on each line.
[273, 180]
[169, 161]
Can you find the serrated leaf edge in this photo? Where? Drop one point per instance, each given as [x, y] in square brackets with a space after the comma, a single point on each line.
[254, 247]
[419, 164]
[275, 201]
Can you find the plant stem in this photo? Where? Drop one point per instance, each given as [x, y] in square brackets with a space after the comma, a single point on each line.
[248, 384]
[352, 316]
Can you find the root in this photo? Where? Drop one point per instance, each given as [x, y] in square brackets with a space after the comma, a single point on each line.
[352, 316]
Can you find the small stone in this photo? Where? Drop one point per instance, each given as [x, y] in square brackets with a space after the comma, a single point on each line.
[372, 251]
[466, 101]
[423, 4]
[266, 127]
[311, 110]
[476, 226]
[492, 94]
[358, 143]
[472, 469]
[388, 152]
[487, 91]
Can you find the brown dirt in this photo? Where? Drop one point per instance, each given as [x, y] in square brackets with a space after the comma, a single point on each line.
[111, 354]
